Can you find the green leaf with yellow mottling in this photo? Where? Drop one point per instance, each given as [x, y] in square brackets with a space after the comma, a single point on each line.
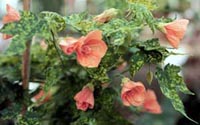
[171, 83]
[148, 51]
[137, 61]
[54, 20]
[150, 4]
[23, 31]
[155, 53]
[141, 13]
[16, 46]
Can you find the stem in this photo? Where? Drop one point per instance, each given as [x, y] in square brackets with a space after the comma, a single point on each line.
[26, 54]
[26, 5]
[26, 66]
[54, 44]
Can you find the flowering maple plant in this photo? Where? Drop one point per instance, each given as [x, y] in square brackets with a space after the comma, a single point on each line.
[76, 70]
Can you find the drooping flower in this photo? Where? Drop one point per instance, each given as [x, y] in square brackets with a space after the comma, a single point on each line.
[174, 31]
[106, 16]
[89, 49]
[68, 45]
[151, 104]
[6, 36]
[42, 97]
[133, 93]
[85, 98]
[11, 16]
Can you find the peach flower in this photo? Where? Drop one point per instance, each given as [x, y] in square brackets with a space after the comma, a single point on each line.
[6, 36]
[174, 31]
[42, 97]
[11, 16]
[133, 93]
[151, 104]
[85, 98]
[68, 45]
[91, 49]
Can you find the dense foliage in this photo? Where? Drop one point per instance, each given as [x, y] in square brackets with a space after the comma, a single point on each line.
[61, 75]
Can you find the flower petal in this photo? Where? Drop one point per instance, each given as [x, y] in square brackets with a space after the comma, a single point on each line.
[90, 61]
[68, 45]
[96, 34]
[133, 93]
[173, 40]
[177, 28]
[151, 104]
[98, 47]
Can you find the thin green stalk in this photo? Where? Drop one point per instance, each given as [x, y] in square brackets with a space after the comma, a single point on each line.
[57, 50]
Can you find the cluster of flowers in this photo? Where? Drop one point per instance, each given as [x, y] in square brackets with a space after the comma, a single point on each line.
[135, 94]
[90, 49]
[132, 94]
[174, 31]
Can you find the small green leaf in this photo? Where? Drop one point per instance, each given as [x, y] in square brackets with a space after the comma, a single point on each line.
[151, 44]
[52, 77]
[99, 74]
[142, 14]
[137, 61]
[150, 4]
[54, 20]
[120, 31]
[134, 49]
[149, 77]
[81, 22]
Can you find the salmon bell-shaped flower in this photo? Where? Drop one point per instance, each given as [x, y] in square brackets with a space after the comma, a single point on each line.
[11, 16]
[6, 36]
[42, 97]
[85, 98]
[174, 31]
[91, 49]
[132, 93]
[68, 45]
[151, 104]
[106, 16]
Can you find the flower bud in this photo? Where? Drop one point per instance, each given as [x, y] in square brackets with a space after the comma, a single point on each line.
[106, 16]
